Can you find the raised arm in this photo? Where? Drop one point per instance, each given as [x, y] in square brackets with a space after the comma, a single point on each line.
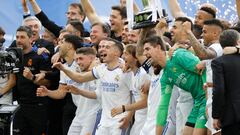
[175, 9]
[135, 8]
[238, 8]
[161, 27]
[26, 11]
[35, 7]
[90, 12]
[78, 77]
[48, 24]
[202, 52]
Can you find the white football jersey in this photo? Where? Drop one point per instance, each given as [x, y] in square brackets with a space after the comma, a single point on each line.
[113, 91]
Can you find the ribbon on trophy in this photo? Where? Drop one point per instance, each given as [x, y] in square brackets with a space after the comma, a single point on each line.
[156, 7]
[130, 14]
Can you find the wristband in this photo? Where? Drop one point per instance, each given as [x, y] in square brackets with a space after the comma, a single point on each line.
[123, 108]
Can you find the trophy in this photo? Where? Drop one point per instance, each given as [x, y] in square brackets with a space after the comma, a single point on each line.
[147, 17]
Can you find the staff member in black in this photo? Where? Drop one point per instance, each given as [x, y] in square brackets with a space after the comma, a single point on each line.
[226, 91]
[31, 118]
[41, 46]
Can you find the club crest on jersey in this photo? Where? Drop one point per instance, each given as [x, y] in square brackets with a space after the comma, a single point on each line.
[174, 69]
[168, 89]
[117, 78]
[30, 62]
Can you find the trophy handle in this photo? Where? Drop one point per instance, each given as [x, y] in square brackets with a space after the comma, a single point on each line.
[145, 4]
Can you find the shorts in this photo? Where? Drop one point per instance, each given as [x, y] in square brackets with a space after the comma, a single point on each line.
[149, 127]
[169, 128]
[197, 117]
[109, 130]
[138, 123]
[209, 123]
[79, 127]
[182, 112]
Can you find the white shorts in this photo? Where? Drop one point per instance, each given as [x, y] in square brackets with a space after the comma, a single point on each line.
[169, 128]
[109, 130]
[209, 123]
[79, 130]
[138, 124]
[182, 112]
[82, 128]
[149, 128]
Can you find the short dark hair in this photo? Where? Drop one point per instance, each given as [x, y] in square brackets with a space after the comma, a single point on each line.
[86, 51]
[209, 10]
[2, 32]
[26, 29]
[80, 8]
[154, 41]
[105, 27]
[184, 19]
[168, 35]
[117, 43]
[77, 25]
[229, 38]
[122, 11]
[214, 22]
[236, 28]
[74, 40]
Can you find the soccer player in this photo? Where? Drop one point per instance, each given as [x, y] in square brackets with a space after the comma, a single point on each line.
[180, 71]
[138, 79]
[113, 90]
[85, 118]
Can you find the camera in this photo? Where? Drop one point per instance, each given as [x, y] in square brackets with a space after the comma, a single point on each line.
[11, 61]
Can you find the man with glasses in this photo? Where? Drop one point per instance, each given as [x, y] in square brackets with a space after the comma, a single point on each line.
[74, 12]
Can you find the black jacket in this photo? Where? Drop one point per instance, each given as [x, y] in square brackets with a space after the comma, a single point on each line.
[40, 43]
[52, 27]
[226, 89]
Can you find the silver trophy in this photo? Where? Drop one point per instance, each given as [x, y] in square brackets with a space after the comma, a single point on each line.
[144, 18]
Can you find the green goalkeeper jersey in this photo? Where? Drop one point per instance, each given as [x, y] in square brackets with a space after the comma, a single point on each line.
[181, 71]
